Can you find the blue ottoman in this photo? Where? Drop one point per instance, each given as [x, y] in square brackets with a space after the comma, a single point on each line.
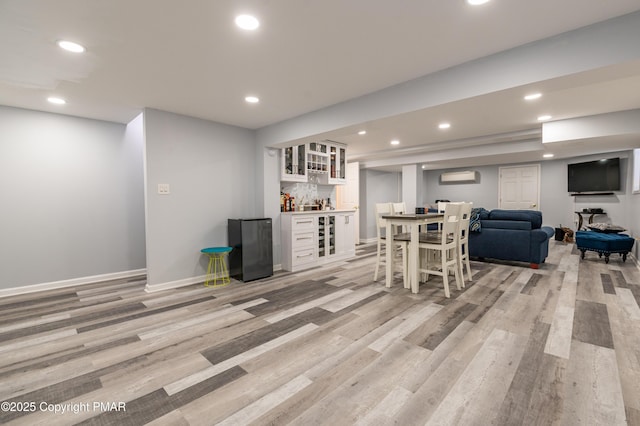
[604, 243]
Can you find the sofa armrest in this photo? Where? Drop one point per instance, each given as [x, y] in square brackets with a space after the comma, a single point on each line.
[549, 231]
[540, 235]
[540, 243]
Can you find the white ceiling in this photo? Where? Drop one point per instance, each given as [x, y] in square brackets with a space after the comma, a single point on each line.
[189, 58]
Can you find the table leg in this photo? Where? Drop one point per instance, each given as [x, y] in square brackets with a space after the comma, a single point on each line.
[414, 257]
[389, 255]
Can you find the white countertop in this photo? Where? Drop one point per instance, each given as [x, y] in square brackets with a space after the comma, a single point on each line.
[320, 211]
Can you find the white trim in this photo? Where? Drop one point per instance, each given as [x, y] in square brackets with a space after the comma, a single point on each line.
[186, 281]
[5, 292]
[174, 284]
[368, 240]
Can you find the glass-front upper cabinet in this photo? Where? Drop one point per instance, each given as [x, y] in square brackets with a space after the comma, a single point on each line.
[318, 147]
[337, 164]
[302, 161]
[294, 164]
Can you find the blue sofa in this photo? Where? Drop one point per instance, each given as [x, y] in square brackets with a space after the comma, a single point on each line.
[516, 235]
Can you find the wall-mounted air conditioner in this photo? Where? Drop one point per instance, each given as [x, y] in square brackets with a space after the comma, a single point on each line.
[467, 176]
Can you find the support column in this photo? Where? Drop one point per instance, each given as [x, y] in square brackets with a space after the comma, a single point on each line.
[412, 183]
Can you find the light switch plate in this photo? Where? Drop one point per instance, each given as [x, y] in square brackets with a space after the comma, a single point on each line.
[163, 189]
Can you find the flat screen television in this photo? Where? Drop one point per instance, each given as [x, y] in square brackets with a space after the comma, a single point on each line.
[595, 176]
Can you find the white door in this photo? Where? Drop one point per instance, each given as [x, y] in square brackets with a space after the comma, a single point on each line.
[520, 187]
[348, 196]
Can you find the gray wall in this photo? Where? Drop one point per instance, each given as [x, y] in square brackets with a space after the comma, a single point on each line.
[210, 168]
[72, 197]
[556, 203]
[483, 193]
[376, 187]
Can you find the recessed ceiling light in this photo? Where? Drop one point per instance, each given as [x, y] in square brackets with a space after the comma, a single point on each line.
[57, 101]
[395, 142]
[362, 132]
[424, 166]
[252, 99]
[247, 22]
[477, 2]
[548, 155]
[71, 46]
[533, 96]
[544, 118]
[444, 125]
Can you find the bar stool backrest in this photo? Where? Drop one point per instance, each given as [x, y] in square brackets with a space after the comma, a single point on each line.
[382, 209]
[465, 218]
[399, 208]
[450, 221]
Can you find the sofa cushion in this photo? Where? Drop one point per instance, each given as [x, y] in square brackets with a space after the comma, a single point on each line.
[507, 224]
[532, 216]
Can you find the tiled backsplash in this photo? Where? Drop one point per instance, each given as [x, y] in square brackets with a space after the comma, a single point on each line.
[306, 193]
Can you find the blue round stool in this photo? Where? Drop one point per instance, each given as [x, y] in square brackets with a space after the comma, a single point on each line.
[217, 272]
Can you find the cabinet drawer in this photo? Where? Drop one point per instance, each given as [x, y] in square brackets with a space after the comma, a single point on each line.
[303, 223]
[303, 256]
[302, 239]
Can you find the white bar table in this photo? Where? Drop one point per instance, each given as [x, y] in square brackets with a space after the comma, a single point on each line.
[413, 221]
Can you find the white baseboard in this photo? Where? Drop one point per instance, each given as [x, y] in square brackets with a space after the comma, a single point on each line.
[174, 284]
[185, 282]
[368, 240]
[5, 292]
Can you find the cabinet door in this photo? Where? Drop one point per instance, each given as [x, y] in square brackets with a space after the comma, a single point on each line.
[287, 161]
[337, 164]
[326, 236]
[322, 253]
[345, 232]
[331, 234]
[294, 164]
[333, 162]
[302, 161]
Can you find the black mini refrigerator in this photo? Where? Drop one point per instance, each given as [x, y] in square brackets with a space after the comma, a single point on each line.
[252, 254]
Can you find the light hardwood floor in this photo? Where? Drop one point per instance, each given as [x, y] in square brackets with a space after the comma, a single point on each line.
[559, 345]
